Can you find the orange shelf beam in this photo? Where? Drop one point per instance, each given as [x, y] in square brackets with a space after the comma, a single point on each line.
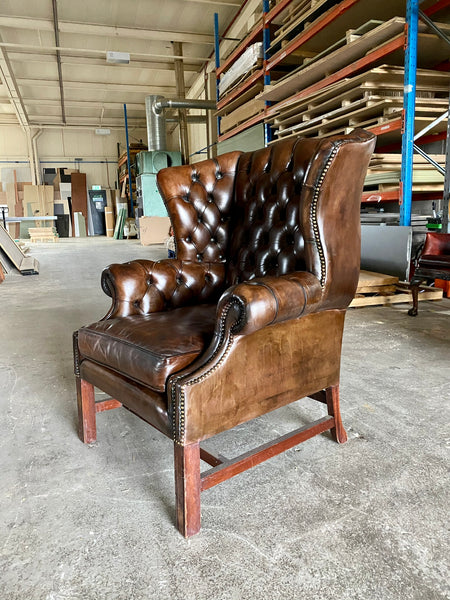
[395, 125]
[394, 195]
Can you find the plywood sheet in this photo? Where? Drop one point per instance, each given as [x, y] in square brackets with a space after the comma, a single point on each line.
[79, 194]
[373, 279]
[38, 200]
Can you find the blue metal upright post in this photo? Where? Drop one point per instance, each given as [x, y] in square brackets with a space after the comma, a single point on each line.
[409, 105]
[130, 186]
[266, 46]
[217, 60]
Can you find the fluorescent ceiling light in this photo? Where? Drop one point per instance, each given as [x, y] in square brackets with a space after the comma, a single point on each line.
[118, 58]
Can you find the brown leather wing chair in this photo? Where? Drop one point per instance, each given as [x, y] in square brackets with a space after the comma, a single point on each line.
[433, 263]
[247, 318]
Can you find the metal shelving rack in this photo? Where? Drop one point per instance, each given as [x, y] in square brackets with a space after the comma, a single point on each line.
[413, 13]
[407, 40]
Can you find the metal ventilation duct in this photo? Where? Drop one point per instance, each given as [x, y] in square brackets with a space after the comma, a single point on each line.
[156, 122]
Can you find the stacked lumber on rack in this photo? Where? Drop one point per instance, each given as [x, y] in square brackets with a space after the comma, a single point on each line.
[333, 61]
[346, 54]
[299, 13]
[384, 172]
[371, 98]
[377, 289]
[233, 112]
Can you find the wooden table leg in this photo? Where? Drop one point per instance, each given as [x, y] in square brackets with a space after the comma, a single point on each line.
[187, 488]
[87, 429]
[338, 432]
[412, 312]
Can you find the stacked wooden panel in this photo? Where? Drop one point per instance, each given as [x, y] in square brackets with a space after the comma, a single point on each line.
[374, 97]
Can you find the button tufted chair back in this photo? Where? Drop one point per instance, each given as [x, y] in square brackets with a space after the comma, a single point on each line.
[267, 230]
[199, 200]
[251, 215]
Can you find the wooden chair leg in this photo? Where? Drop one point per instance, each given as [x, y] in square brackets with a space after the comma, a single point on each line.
[338, 432]
[87, 429]
[412, 312]
[187, 488]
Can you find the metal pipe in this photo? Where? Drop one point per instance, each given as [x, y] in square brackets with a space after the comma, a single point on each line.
[156, 124]
[130, 186]
[423, 131]
[184, 103]
[58, 60]
[181, 91]
[436, 165]
[190, 119]
[30, 154]
[156, 121]
[35, 155]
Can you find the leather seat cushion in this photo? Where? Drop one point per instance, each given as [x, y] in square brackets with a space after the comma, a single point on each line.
[437, 261]
[149, 348]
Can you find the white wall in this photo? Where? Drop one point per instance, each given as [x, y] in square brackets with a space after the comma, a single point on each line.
[59, 148]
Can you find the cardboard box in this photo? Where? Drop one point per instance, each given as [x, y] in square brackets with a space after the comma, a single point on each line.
[153, 230]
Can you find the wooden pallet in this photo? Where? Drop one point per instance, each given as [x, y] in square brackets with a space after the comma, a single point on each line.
[368, 102]
[378, 289]
[384, 80]
[43, 234]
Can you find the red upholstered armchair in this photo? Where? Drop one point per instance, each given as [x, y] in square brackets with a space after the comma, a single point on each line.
[247, 318]
[433, 263]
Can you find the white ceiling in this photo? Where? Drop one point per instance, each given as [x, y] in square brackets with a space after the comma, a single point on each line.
[93, 92]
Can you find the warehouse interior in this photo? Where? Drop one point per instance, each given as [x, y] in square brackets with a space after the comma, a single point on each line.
[95, 103]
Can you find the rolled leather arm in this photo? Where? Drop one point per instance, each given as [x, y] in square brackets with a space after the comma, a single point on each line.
[268, 300]
[141, 287]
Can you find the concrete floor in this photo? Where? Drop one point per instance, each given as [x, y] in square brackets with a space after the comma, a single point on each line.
[366, 520]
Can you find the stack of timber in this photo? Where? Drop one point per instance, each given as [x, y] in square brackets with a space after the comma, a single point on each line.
[377, 289]
[337, 62]
[237, 99]
[43, 234]
[301, 15]
[333, 61]
[372, 98]
[246, 64]
[384, 173]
